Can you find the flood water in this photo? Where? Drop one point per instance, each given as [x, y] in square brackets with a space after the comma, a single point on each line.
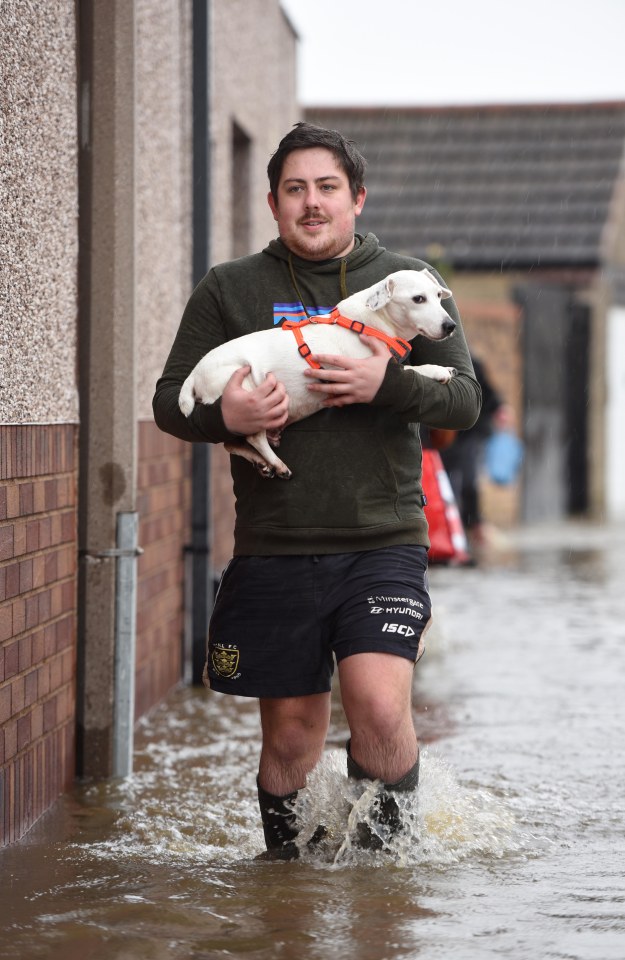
[517, 842]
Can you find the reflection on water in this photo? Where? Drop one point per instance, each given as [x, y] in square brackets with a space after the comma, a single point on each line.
[515, 840]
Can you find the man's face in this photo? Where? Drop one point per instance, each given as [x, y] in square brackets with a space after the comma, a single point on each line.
[315, 210]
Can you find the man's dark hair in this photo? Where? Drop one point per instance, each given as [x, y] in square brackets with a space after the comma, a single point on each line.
[305, 136]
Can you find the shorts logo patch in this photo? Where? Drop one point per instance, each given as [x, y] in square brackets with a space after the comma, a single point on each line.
[225, 660]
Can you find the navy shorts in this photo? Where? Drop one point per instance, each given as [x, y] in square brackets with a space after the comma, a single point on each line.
[279, 623]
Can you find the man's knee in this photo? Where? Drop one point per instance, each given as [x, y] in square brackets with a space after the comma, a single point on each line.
[294, 742]
[380, 718]
[294, 727]
[374, 712]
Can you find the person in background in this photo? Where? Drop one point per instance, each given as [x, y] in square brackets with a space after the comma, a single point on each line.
[464, 457]
[504, 448]
[330, 565]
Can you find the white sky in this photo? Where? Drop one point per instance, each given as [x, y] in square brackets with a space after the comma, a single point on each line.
[407, 52]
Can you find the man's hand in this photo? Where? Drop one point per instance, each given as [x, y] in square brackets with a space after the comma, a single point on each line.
[246, 412]
[357, 381]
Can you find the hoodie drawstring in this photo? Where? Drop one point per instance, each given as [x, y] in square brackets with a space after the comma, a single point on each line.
[343, 279]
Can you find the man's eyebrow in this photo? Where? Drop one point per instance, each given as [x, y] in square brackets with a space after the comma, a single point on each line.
[329, 176]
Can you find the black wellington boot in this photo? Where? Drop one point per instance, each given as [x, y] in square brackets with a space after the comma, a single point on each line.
[385, 811]
[279, 825]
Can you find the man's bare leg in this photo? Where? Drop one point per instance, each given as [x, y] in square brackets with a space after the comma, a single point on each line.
[294, 732]
[376, 691]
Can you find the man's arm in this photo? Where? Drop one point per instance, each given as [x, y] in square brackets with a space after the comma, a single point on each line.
[239, 412]
[415, 398]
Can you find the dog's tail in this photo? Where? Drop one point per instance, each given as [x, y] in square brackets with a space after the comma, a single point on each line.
[186, 400]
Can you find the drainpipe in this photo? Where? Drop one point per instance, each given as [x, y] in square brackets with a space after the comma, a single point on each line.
[127, 552]
[199, 550]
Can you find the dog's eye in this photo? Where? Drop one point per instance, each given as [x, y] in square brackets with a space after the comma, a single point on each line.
[419, 298]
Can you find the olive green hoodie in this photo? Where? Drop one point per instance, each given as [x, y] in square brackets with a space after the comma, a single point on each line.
[356, 481]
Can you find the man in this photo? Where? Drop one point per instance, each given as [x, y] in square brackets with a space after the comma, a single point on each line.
[330, 565]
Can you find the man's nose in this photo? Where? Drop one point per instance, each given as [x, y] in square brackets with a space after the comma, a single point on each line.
[311, 198]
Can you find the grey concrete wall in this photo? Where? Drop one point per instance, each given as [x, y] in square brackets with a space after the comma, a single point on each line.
[253, 82]
[163, 184]
[38, 212]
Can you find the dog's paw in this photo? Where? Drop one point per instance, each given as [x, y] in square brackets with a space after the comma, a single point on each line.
[186, 405]
[264, 470]
[443, 374]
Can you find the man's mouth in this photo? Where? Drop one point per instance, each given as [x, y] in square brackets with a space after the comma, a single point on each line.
[312, 222]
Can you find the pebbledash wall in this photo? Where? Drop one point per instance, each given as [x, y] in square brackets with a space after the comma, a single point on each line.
[49, 121]
[39, 405]
[38, 409]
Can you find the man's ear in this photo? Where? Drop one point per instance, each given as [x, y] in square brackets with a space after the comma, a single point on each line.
[381, 294]
[273, 206]
[361, 196]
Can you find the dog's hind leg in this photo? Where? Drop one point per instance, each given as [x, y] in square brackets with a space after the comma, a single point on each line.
[248, 453]
[260, 454]
[261, 444]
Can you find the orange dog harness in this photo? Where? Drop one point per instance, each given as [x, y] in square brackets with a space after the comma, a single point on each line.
[398, 347]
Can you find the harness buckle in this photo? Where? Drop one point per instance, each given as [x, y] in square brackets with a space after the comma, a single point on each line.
[401, 349]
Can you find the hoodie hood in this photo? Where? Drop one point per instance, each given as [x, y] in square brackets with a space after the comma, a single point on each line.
[309, 277]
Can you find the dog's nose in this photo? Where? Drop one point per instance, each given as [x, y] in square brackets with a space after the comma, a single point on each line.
[449, 326]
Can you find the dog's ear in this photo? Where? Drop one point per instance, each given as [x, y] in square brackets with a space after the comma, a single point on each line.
[446, 293]
[381, 294]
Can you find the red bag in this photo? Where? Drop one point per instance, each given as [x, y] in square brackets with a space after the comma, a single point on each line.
[447, 537]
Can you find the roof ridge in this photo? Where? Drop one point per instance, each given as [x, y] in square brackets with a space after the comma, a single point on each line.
[566, 106]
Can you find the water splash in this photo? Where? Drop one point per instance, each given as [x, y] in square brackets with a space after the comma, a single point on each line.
[162, 815]
[443, 822]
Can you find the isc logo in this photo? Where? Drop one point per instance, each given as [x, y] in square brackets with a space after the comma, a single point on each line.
[398, 628]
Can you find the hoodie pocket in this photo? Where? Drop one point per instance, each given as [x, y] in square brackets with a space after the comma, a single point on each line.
[349, 471]
[341, 481]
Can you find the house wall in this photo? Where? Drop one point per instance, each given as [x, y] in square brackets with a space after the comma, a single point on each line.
[253, 85]
[607, 426]
[164, 505]
[492, 325]
[38, 409]
[163, 284]
[37, 620]
[39, 403]
[494, 328]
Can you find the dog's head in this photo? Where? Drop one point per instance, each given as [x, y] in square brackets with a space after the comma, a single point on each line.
[411, 301]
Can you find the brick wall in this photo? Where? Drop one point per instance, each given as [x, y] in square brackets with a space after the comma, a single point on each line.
[164, 504]
[37, 620]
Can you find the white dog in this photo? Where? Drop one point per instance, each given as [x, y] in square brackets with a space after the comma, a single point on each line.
[403, 305]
